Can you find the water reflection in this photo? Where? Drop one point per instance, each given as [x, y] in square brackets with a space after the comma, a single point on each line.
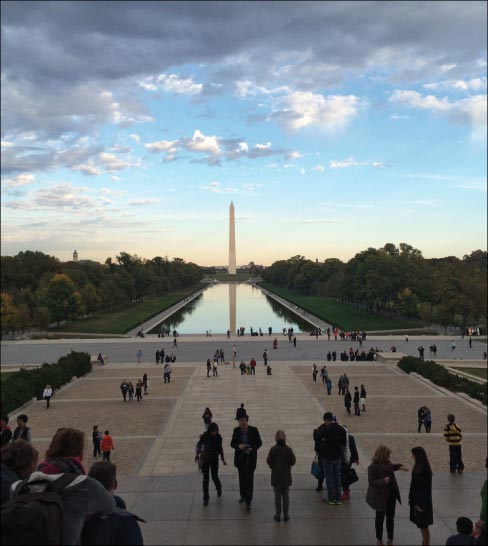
[232, 306]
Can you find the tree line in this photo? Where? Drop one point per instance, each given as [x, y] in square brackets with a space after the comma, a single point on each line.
[395, 281]
[38, 289]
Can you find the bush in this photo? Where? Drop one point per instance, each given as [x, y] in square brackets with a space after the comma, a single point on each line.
[441, 376]
[21, 386]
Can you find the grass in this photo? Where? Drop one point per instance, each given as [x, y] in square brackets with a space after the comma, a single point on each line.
[338, 314]
[120, 322]
[482, 373]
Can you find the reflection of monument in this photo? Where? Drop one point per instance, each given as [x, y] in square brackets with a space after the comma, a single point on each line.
[232, 240]
[232, 307]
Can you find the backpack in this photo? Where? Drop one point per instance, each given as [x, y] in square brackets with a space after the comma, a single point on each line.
[35, 518]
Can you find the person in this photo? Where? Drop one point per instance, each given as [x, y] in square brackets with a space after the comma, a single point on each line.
[215, 368]
[480, 525]
[101, 362]
[5, 431]
[362, 398]
[428, 419]
[158, 356]
[242, 367]
[453, 346]
[280, 459]
[96, 438]
[420, 494]
[124, 387]
[175, 343]
[328, 384]
[209, 367]
[470, 342]
[383, 492]
[323, 374]
[19, 461]
[22, 432]
[240, 412]
[314, 373]
[139, 356]
[357, 410]
[47, 395]
[252, 363]
[340, 385]
[421, 352]
[347, 400]
[294, 341]
[350, 457]
[265, 356]
[453, 436]
[275, 343]
[107, 445]
[268, 370]
[65, 453]
[145, 383]
[209, 449]
[345, 381]
[139, 390]
[320, 478]
[120, 527]
[331, 439]
[207, 417]
[130, 391]
[246, 441]
[406, 338]
[421, 412]
[464, 536]
[167, 372]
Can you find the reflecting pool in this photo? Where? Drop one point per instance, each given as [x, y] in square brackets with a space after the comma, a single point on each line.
[232, 306]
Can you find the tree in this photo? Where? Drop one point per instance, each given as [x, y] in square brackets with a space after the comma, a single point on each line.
[62, 299]
[8, 312]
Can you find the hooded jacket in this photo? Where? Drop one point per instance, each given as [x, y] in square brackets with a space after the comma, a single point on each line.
[280, 459]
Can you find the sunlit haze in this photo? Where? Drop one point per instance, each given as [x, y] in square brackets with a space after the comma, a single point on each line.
[332, 126]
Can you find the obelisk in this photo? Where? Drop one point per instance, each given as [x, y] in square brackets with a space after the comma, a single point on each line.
[232, 240]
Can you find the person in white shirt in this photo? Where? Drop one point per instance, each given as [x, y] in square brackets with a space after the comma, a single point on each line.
[47, 395]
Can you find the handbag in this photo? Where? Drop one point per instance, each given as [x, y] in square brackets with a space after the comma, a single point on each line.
[316, 470]
[351, 476]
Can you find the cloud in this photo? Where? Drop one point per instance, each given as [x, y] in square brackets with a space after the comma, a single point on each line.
[19, 180]
[64, 197]
[469, 111]
[143, 202]
[302, 109]
[475, 84]
[201, 143]
[160, 146]
[319, 168]
[135, 138]
[214, 187]
[293, 155]
[171, 83]
[399, 116]
[302, 171]
[351, 162]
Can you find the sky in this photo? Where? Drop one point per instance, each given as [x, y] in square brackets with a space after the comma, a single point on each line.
[332, 126]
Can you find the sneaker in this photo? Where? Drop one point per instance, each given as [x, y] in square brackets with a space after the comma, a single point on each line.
[331, 502]
[277, 518]
[337, 502]
[345, 496]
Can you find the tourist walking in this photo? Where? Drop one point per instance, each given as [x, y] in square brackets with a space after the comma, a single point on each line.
[420, 495]
[124, 387]
[362, 398]
[421, 352]
[328, 385]
[130, 391]
[240, 412]
[246, 441]
[345, 380]
[275, 343]
[175, 343]
[265, 357]
[347, 400]
[331, 439]
[167, 372]
[207, 418]
[383, 492]
[138, 391]
[215, 368]
[107, 445]
[357, 410]
[209, 449]
[100, 359]
[453, 436]
[350, 456]
[421, 412]
[323, 374]
[145, 383]
[47, 395]
[428, 419]
[280, 459]
[294, 341]
[158, 356]
[209, 367]
[242, 367]
[96, 439]
[340, 385]
[139, 356]
[314, 373]
[252, 363]
[22, 432]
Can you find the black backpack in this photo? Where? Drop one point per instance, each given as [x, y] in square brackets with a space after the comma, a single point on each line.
[35, 518]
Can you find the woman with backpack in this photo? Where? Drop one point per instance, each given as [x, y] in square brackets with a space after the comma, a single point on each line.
[209, 449]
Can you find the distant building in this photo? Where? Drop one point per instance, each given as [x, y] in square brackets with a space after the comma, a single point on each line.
[75, 256]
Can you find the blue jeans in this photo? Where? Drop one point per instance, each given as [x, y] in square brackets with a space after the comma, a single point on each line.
[332, 471]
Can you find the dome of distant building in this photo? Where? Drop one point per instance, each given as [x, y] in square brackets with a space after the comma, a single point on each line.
[75, 256]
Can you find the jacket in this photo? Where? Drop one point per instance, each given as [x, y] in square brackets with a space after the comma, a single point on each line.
[280, 459]
[452, 434]
[211, 446]
[107, 443]
[379, 491]
[81, 497]
[420, 493]
[253, 440]
[5, 436]
[331, 439]
[8, 477]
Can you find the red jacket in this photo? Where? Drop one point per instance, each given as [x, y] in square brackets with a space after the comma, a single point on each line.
[107, 443]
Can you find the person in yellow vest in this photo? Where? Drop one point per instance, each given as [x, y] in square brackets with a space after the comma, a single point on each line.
[453, 436]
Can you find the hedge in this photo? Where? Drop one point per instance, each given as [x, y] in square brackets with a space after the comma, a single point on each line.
[441, 376]
[20, 387]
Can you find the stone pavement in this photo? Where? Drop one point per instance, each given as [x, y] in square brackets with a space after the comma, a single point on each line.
[155, 441]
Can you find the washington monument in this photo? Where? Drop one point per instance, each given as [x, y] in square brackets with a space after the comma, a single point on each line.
[232, 240]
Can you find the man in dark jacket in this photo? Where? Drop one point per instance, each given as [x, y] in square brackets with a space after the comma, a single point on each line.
[331, 439]
[5, 432]
[245, 441]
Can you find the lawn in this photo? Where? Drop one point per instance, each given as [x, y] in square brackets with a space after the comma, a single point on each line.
[120, 322]
[338, 314]
[478, 372]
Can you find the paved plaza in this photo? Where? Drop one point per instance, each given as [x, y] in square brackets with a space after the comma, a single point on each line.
[155, 438]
